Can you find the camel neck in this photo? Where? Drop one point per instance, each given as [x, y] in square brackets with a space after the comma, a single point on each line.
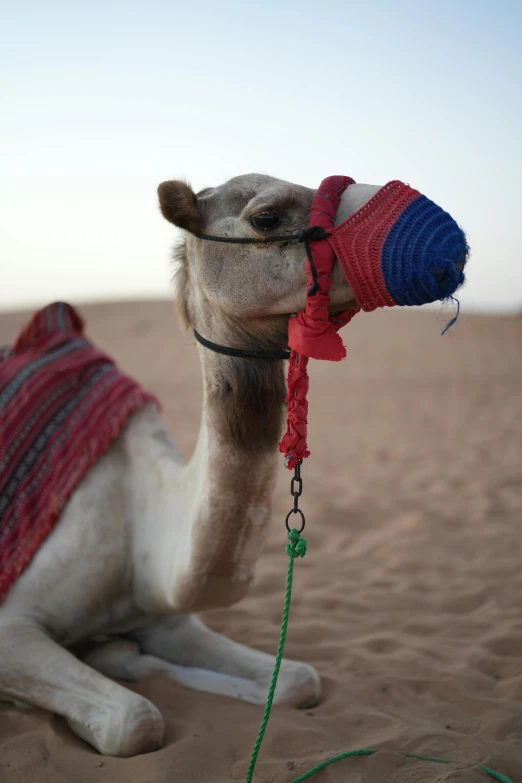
[233, 472]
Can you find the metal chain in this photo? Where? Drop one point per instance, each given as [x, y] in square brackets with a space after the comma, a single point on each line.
[296, 494]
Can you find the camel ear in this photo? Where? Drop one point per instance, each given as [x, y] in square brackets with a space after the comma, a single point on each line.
[179, 205]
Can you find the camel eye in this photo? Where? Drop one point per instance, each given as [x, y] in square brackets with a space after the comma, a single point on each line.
[265, 221]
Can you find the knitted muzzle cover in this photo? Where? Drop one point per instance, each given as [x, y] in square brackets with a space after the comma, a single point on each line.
[398, 249]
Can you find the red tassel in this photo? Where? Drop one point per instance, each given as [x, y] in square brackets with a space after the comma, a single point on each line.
[293, 443]
[315, 339]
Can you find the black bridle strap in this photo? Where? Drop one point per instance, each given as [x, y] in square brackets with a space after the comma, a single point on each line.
[251, 240]
[239, 353]
[314, 234]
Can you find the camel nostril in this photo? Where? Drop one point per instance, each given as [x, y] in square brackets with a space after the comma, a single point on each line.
[441, 275]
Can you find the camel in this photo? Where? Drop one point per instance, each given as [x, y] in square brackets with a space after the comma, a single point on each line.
[148, 540]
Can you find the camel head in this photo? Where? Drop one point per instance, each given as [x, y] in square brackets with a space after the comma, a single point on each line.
[401, 248]
[396, 248]
[223, 289]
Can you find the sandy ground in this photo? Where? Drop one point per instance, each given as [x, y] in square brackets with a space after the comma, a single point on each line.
[409, 602]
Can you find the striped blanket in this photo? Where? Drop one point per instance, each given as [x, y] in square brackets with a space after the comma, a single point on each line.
[62, 403]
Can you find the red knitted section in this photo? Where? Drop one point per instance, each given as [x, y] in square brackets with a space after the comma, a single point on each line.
[313, 333]
[358, 243]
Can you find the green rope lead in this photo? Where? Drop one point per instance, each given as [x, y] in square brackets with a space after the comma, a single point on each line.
[372, 751]
[297, 548]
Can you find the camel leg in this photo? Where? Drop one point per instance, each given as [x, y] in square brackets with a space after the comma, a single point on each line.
[187, 642]
[37, 671]
[122, 660]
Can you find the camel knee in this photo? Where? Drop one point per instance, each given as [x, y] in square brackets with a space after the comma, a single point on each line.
[128, 730]
[141, 729]
[37, 671]
[299, 685]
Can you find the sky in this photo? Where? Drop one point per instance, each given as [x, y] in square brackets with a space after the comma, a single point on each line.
[101, 101]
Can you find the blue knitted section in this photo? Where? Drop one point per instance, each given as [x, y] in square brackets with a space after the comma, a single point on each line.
[421, 253]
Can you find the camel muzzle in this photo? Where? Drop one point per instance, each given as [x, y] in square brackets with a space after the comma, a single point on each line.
[400, 248]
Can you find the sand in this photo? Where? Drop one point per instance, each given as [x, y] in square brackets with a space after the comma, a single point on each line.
[409, 601]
